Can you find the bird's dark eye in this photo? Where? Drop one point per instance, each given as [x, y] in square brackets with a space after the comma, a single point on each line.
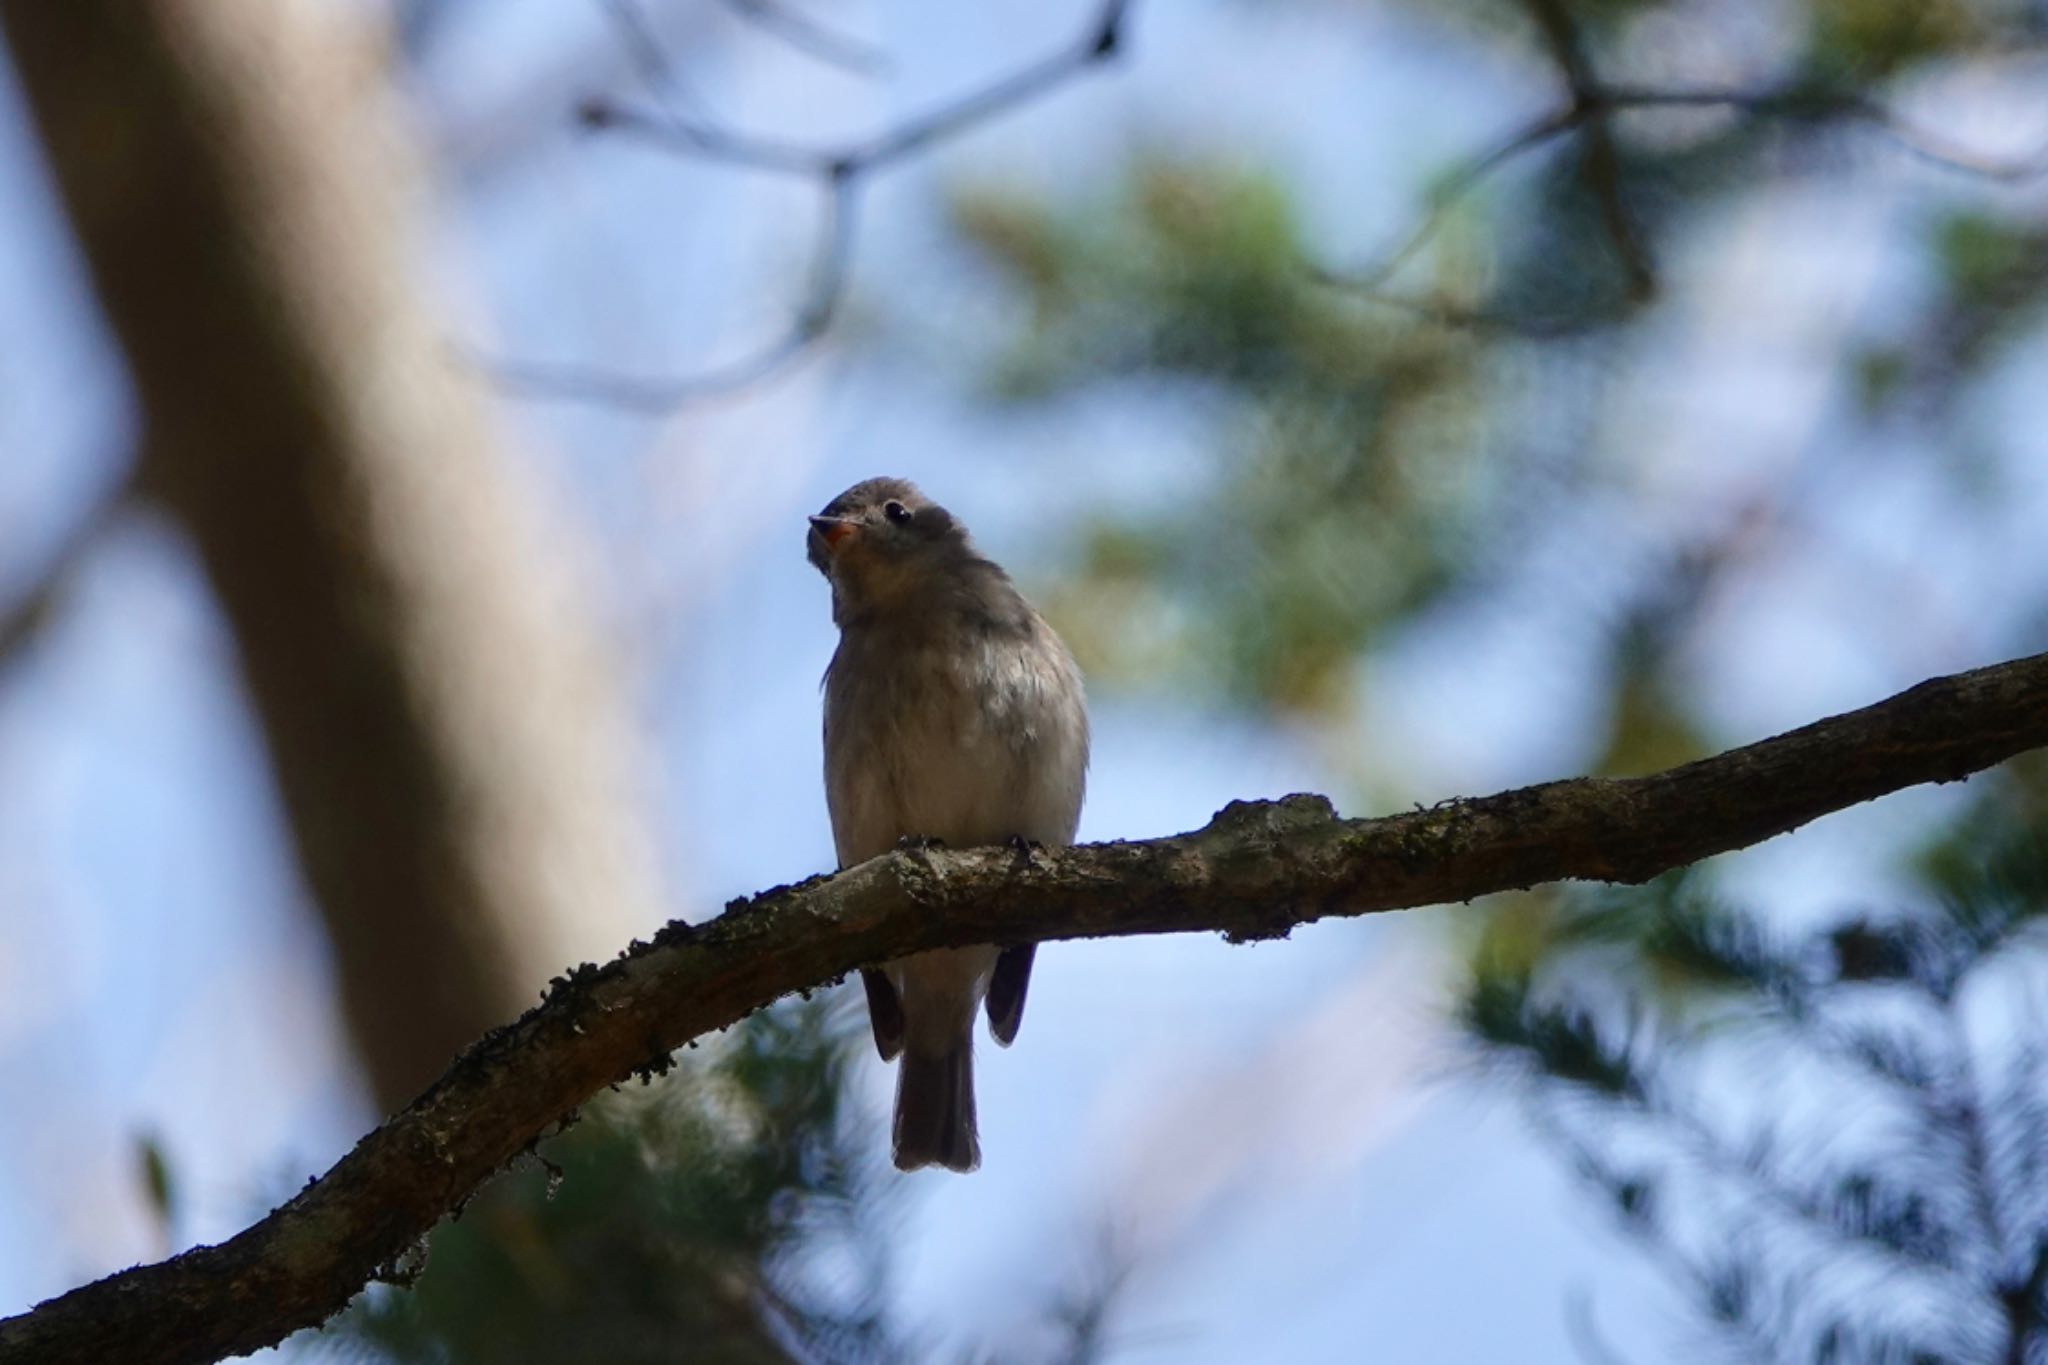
[896, 512]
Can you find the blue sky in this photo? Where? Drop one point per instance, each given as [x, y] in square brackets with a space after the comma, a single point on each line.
[1287, 1128]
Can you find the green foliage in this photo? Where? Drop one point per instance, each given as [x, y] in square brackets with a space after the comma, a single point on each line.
[1599, 17]
[1989, 273]
[1345, 486]
[1982, 258]
[1649, 724]
[157, 1182]
[1570, 1042]
[725, 1214]
[1190, 270]
[1369, 460]
[1890, 1122]
[1859, 39]
[1994, 277]
[1373, 459]
[1872, 39]
[1991, 871]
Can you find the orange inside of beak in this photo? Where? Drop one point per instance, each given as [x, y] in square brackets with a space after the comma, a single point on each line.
[834, 532]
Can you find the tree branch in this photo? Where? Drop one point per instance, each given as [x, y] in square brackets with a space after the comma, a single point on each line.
[838, 172]
[1255, 871]
[23, 619]
[1593, 101]
[806, 35]
[1602, 170]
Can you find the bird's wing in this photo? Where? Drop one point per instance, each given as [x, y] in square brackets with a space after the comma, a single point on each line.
[1006, 989]
[885, 1012]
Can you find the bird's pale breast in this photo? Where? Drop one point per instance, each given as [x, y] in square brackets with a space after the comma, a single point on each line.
[966, 746]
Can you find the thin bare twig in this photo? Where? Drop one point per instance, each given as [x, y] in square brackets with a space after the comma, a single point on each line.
[1445, 313]
[1806, 104]
[1584, 1330]
[643, 49]
[810, 37]
[25, 617]
[694, 135]
[657, 394]
[1603, 158]
[839, 172]
[1100, 41]
[1790, 103]
[1464, 178]
[657, 74]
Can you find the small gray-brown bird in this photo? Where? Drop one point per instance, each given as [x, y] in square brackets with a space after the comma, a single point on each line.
[954, 713]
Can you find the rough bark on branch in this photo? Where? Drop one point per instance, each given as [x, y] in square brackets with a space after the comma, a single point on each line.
[1255, 871]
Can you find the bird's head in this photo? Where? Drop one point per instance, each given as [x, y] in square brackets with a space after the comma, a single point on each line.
[883, 544]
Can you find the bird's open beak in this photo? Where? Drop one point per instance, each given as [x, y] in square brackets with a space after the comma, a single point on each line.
[834, 530]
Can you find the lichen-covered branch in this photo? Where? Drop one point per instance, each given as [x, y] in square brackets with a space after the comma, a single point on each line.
[1255, 871]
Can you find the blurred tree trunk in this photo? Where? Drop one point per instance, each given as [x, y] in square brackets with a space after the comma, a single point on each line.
[447, 745]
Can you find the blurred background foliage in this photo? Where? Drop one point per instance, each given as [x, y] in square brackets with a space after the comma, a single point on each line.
[1831, 1139]
[1347, 477]
[735, 1210]
[1386, 447]
[729, 1211]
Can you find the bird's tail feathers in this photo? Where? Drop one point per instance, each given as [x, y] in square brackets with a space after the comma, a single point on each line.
[935, 1109]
